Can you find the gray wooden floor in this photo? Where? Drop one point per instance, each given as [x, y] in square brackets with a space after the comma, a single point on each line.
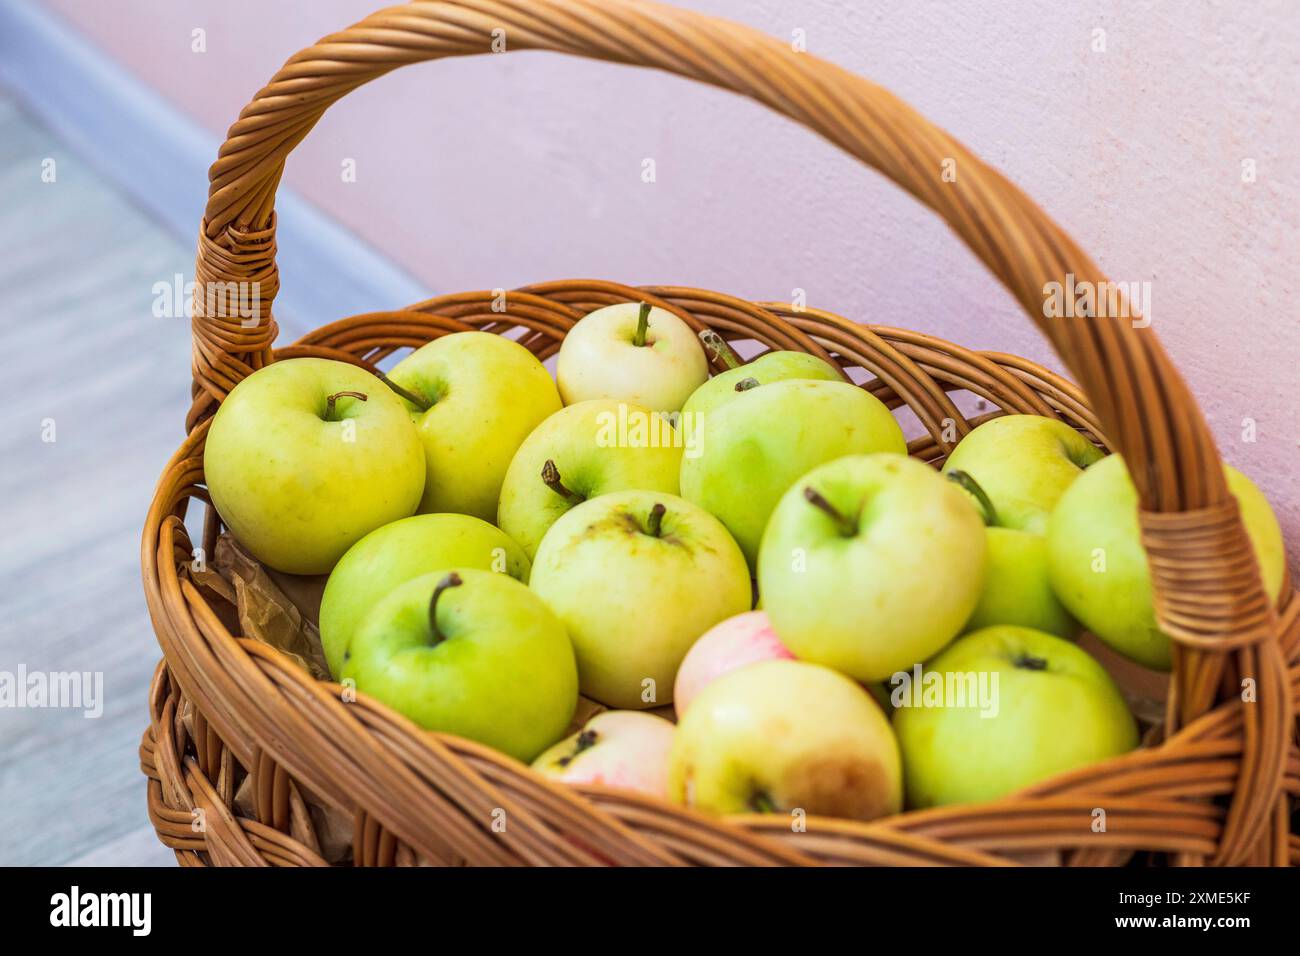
[80, 346]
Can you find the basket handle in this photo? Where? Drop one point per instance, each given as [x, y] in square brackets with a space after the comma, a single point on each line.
[1190, 521]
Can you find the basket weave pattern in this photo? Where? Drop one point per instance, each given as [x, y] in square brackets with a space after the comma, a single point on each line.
[1214, 786]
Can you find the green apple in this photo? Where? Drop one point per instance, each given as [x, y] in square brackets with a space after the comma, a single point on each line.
[305, 456]
[780, 736]
[1098, 566]
[398, 552]
[1023, 463]
[636, 577]
[623, 749]
[632, 352]
[1017, 467]
[756, 445]
[1001, 709]
[472, 653]
[1017, 589]
[871, 563]
[479, 397]
[592, 448]
[764, 370]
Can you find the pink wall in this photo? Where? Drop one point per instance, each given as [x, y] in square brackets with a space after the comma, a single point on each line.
[504, 170]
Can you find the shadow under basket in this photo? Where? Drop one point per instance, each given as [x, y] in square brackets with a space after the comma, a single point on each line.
[251, 761]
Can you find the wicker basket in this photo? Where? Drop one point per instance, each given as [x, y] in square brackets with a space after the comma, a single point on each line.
[1213, 784]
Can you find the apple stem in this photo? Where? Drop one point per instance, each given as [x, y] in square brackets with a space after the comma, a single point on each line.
[654, 520]
[419, 401]
[642, 325]
[452, 580]
[551, 475]
[762, 802]
[971, 485]
[1030, 663]
[721, 350]
[329, 402]
[745, 384]
[848, 527]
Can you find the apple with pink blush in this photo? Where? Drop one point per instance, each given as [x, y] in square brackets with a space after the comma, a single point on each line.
[744, 639]
[623, 749]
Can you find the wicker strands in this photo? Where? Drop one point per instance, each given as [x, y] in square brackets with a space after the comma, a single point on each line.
[229, 714]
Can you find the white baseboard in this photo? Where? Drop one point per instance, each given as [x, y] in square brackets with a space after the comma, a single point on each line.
[159, 157]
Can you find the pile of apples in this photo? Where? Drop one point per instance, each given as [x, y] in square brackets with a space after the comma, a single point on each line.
[499, 543]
